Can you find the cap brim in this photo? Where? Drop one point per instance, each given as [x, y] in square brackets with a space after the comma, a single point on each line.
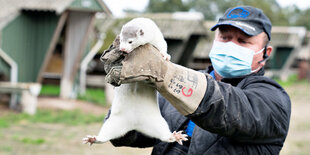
[246, 28]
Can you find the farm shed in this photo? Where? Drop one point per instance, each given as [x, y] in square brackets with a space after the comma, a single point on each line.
[287, 43]
[32, 31]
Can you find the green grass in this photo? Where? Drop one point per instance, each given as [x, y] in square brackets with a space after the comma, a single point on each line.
[74, 117]
[6, 148]
[28, 140]
[293, 79]
[303, 144]
[93, 95]
[36, 141]
[50, 90]
[4, 123]
[304, 126]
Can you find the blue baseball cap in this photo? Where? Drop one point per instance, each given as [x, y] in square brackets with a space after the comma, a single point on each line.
[252, 21]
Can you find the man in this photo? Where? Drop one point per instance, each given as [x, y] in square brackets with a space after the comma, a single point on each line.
[230, 108]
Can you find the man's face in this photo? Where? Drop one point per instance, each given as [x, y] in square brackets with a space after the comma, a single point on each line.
[235, 35]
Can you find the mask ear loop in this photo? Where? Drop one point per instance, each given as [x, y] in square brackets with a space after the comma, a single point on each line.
[265, 56]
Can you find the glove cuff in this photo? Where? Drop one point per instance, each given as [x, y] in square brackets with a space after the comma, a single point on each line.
[184, 88]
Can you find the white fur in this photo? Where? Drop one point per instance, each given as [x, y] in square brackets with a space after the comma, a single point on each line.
[135, 105]
[152, 35]
[135, 108]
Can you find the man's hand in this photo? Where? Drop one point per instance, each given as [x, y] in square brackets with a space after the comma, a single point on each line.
[184, 88]
[112, 58]
[145, 63]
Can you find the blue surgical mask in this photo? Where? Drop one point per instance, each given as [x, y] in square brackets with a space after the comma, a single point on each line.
[231, 60]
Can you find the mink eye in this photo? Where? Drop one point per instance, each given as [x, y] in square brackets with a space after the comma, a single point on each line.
[130, 42]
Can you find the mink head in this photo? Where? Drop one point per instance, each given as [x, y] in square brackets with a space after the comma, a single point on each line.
[130, 38]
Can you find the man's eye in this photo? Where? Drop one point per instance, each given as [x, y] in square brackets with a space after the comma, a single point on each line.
[224, 38]
[242, 41]
[130, 42]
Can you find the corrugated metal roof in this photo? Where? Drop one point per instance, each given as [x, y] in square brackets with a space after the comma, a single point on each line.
[86, 5]
[305, 50]
[53, 5]
[179, 29]
[175, 28]
[10, 8]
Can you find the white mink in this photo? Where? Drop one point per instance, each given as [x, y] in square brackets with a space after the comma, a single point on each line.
[135, 105]
[140, 31]
[135, 108]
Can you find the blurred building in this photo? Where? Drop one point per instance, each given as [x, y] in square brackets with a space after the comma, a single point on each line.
[304, 59]
[287, 43]
[46, 38]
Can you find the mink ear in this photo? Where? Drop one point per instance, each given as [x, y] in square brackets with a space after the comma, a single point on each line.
[141, 32]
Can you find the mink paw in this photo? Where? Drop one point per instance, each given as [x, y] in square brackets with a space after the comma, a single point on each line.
[179, 137]
[89, 139]
[166, 56]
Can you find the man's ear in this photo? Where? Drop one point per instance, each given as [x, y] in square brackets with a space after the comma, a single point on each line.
[269, 50]
[266, 55]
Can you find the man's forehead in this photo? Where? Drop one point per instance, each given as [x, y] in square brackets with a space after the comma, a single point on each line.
[233, 31]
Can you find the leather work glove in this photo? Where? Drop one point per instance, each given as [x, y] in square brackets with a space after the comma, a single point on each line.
[184, 88]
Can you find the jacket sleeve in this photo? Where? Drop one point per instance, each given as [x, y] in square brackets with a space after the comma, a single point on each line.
[257, 110]
[132, 139]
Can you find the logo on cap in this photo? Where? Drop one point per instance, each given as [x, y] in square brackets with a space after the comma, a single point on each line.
[238, 12]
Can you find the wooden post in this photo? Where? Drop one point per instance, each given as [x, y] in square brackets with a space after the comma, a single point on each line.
[303, 68]
[78, 27]
[52, 45]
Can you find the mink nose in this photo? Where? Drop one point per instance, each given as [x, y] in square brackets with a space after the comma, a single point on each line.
[123, 49]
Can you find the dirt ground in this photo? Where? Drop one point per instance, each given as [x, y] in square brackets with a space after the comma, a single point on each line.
[298, 139]
[59, 139]
[66, 140]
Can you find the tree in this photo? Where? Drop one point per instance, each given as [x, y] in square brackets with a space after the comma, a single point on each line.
[303, 19]
[167, 6]
[213, 9]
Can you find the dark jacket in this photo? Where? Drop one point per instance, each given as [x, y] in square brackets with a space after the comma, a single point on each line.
[248, 115]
